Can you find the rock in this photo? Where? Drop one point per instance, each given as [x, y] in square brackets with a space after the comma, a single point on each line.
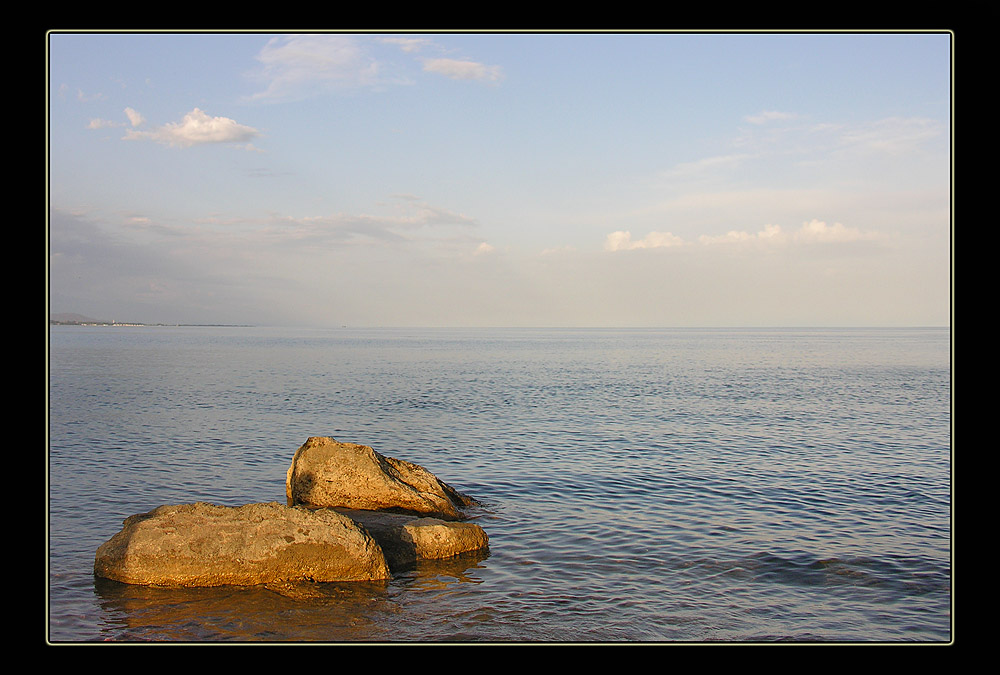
[352, 514]
[203, 544]
[327, 473]
[405, 539]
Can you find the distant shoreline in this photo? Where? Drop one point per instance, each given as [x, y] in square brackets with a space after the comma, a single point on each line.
[129, 324]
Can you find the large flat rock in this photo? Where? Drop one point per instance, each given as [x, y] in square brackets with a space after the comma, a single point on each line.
[204, 544]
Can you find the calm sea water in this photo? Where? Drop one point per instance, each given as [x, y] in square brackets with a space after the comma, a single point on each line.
[638, 485]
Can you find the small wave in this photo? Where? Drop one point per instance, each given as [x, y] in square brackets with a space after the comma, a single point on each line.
[898, 577]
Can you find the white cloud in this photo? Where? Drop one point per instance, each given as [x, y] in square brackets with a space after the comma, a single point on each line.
[407, 44]
[197, 128]
[893, 135]
[769, 116]
[428, 214]
[770, 233]
[298, 66]
[557, 250]
[87, 98]
[707, 164]
[812, 232]
[622, 241]
[819, 231]
[463, 70]
[400, 227]
[133, 117]
[295, 66]
[483, 249]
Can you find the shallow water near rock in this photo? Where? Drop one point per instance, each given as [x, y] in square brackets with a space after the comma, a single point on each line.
[638, 485]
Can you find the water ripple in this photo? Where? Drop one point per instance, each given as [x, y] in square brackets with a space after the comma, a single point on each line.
[636, 485]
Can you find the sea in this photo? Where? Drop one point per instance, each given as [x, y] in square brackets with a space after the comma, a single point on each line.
[637, 485]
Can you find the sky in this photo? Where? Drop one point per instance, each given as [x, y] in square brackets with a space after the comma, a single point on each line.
[624, 179]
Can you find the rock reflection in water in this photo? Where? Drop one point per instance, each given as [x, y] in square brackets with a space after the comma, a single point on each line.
[301, 612]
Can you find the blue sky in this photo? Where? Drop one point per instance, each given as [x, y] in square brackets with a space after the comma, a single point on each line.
[537, 179]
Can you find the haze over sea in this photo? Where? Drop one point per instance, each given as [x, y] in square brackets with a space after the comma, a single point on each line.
[644, 485]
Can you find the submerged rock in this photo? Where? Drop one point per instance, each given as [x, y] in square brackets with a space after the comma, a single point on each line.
[327, 473]
[405, 539]
[203, 544]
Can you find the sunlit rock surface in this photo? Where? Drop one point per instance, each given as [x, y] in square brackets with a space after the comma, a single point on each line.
[203, 544]
[328, 473]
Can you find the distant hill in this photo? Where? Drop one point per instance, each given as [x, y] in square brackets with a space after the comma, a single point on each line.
[73, 318]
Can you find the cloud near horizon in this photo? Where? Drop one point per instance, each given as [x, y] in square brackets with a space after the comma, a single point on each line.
[622, 241]
[819, 231]
[814, 231]
[769, 233]
[411, 222]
